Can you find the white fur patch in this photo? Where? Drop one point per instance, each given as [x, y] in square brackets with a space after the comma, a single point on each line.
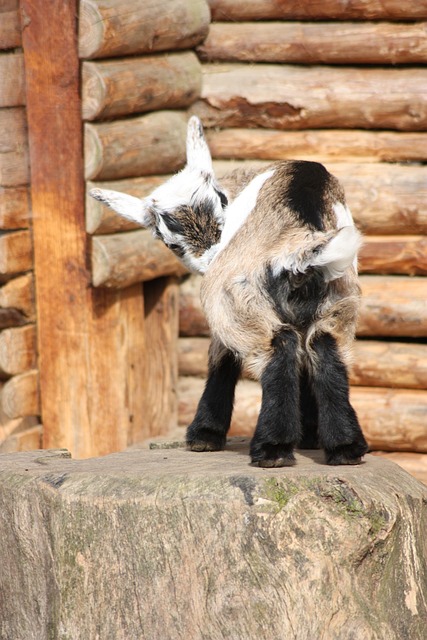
[238, 211]
[344, 219]
[339, 253]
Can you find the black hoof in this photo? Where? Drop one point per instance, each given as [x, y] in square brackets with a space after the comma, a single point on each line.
[273, 455]
[205, 440]
[346, 454]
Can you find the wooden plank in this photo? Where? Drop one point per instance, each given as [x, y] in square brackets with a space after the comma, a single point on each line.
[10, 27]
[29, 439]
[161, 322]
[392, 306]
[239, 95]
[122, 259]
[115, 88]
[12, 80]
[317, 42]
[406, 255]
[14, 207]
[385, 199]
[18, 295]
[150, 144]
[375, 363]
[391, 419]
[239, 10]
[336, 145]
[18, 350]
[15, 253]
[20, 396]
[101, 219]
[83, 334]
[123, 27]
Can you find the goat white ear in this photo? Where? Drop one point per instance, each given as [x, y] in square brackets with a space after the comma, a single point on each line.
[198, 154]
[125, 205]
[339, 253]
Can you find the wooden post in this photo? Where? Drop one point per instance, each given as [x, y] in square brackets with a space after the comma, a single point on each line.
[90, 341]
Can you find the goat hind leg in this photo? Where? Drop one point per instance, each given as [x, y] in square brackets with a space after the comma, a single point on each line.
[279, 423]
[209, 428]
[340, 434]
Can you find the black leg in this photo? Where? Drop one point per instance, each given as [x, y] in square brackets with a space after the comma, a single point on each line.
[209, 428]
[309, 414]
[339, 431]
[279, 422]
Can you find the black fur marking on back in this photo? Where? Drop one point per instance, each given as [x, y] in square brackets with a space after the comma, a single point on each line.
[306, 191]
[296, 297]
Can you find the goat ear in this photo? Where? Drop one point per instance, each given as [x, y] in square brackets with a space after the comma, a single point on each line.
[198, 154]
[125, 205]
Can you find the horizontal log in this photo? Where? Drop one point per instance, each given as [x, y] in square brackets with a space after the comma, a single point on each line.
[12, 80]
[406, 255]
[323, 146]
[391, 419]
[10, 27]
[123, 27]
[14, 207]
[375, 363]
[392, 306]
[101, 219]
[117, 88]
[15, 253]
[20, 395]
[18, 350]
[17, 296]
[413, 463]
[14, 158]
[126, 258]
[29, 439]
[239, 10]
[384, 198]
[319, 42]
[239, 95]
[148, 145]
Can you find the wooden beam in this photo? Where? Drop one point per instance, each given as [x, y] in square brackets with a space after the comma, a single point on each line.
[12, 80]
[375, 363]
[304, 97]
[18, 295]
[14, 207]
[391, 419]
[14, 165]
[20, 396]
[10, 25]
[125, 258]
[15, 253]
[18, 350]
[385, 199]
[90, 341]
[150, 144]
[161, 322]
[404, 255]
[115, 88]
[333, 145]
[316, 42]
[240, 10]
[123, 27]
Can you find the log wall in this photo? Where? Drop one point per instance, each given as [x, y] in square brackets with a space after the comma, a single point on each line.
[340, 83]
[20, 427]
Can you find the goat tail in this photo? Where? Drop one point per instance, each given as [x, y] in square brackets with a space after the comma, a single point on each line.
[338, 253]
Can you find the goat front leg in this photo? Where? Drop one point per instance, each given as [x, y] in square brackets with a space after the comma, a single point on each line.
[209, 428]
[340, 434]
[309, 414]
[279, 423]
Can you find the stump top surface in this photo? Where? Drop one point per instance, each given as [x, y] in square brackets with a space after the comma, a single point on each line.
[170, 464]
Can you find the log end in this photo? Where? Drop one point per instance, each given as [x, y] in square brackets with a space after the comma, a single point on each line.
[93, 91]
[93, 153]
[91, 29]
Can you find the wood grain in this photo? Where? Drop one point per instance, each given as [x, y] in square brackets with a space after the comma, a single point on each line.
[14, 207]
[20, 396]
[115, 88]
[314, 42]
[12, 80]
[15, 253]
[10, 25]
[18, 295]
[18, 350]
[124, 27]
[239, 95]
[406, 255]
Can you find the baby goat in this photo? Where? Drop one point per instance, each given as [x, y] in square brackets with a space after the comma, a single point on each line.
[278, 249]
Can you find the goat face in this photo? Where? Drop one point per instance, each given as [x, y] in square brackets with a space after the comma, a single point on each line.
[187, 212]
